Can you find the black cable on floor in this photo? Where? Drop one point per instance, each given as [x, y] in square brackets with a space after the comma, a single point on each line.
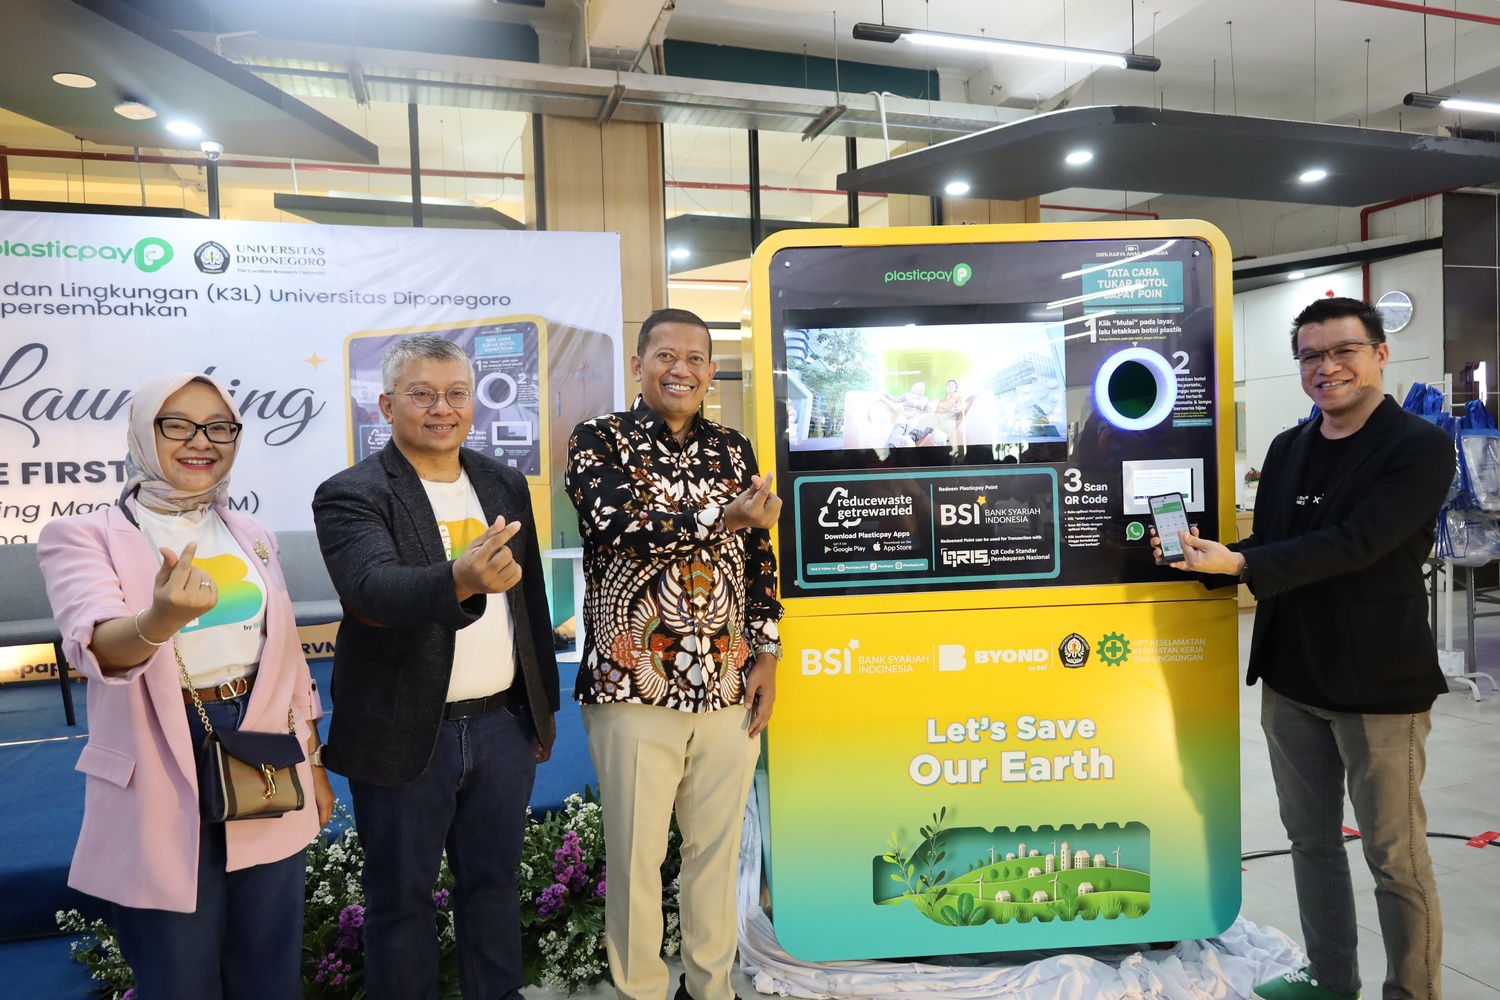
[1257, 855]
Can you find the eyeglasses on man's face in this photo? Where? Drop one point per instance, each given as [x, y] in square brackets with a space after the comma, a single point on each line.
[424, 397]
[1341, 354]
[178, 429]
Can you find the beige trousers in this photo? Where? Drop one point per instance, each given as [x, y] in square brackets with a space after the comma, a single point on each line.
[649, 760]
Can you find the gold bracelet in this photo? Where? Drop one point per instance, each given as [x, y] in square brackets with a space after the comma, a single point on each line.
[142, 636]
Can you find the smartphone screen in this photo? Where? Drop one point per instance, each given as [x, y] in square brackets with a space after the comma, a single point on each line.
[1170, 516]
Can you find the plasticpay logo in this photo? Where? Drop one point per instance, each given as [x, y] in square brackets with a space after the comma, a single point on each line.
[149, 255]
[959, 274]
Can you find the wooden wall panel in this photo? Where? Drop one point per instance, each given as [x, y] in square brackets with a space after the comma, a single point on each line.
[609, 179]
[981, 212]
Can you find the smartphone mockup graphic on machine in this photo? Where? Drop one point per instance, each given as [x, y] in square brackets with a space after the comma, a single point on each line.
[1169, 514]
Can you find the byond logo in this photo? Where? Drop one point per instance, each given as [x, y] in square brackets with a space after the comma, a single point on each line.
[152, 254]
[211, 258]
[952, 657]
[961, 274]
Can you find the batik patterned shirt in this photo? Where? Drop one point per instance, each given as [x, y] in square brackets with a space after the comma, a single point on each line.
[675, 604]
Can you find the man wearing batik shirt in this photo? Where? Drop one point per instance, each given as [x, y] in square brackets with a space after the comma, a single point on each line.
[679, 662]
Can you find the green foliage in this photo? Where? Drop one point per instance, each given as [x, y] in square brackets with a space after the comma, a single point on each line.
[962, 912]
[1136, 909]
[838, 365]
[1065, 903]
[562, 910]
[906, 869]
[99, 951]
[932, 851]
[1110, 907]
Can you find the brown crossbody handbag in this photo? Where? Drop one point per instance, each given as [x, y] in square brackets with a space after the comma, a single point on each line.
[244, 774]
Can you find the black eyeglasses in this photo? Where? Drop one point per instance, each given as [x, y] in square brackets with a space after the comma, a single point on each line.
[425, 398]
[178, 429]
[1340, 353]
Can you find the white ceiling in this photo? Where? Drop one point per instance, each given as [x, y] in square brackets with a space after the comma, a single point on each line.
[1301, 59]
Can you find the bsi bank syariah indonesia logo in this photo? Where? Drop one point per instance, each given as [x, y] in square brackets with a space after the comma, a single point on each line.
[832, 661]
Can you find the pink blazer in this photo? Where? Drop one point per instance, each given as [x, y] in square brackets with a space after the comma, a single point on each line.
[139, 842]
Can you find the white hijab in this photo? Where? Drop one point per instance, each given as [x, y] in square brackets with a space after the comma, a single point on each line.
[143, 466]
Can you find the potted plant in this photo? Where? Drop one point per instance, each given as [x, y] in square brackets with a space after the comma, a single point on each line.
[1252, 485]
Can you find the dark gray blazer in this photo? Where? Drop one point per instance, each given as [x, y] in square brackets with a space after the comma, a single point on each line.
[394, 653]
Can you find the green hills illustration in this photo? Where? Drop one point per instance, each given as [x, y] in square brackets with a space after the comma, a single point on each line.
[1069, 873]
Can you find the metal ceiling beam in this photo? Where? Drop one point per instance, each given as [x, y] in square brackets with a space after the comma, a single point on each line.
[583, 93]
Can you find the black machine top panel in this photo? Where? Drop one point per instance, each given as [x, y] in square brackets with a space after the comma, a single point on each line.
[982, 415]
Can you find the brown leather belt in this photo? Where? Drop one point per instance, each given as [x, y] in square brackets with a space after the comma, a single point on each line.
[237, 688]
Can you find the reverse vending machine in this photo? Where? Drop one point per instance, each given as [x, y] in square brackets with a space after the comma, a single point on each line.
[999, 725]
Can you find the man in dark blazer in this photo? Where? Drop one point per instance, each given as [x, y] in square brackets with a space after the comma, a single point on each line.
[1344, 520]
[444, 677]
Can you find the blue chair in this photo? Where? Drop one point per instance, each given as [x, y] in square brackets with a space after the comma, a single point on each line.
[25, 615]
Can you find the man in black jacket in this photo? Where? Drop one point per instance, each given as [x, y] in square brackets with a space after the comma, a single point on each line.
[1343, 522]
[444, 691]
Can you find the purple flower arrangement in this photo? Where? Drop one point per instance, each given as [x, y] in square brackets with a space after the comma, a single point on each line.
[351, 928]
[332, 970]
[570, 874]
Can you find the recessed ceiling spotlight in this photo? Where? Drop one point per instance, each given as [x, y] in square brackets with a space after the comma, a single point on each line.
[184, 128]
[957, 188]
[77, 80]
[134, 110]
[1078, 157]
[680, 253]
[1312, 176]
[1296, 275]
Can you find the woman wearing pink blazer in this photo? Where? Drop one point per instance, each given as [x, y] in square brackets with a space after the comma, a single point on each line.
[202, 910]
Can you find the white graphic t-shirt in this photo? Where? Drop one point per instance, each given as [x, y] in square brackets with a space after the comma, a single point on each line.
[224, 643]
[484, 653]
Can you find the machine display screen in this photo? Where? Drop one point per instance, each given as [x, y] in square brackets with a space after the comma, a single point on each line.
[1003, 386]
[989, 415]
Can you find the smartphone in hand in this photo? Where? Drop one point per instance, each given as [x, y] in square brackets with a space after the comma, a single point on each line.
[1169, 514]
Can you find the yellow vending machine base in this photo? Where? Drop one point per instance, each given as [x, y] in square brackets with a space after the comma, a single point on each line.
[1006, 779]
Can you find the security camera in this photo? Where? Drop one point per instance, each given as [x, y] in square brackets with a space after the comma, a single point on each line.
[212, 150]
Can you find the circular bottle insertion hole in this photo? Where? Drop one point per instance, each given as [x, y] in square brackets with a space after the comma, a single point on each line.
[1135, 389]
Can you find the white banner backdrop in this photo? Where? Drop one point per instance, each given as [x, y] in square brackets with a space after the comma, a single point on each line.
[92, 306]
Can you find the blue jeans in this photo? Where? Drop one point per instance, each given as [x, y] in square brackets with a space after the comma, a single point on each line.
[1313, 752]
[244, 941]
[472, 800]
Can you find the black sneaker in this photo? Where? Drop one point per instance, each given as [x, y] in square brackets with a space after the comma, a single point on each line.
[682, 990]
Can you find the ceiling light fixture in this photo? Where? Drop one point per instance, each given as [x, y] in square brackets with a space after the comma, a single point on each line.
[867, 32]
[828, 117]
[1453, 103]
[956, 188]
[184, 128]
[77, 80]
[1296, 275]
[135, 111]
[1078, 157]
[1312, 176]
[680, 253]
